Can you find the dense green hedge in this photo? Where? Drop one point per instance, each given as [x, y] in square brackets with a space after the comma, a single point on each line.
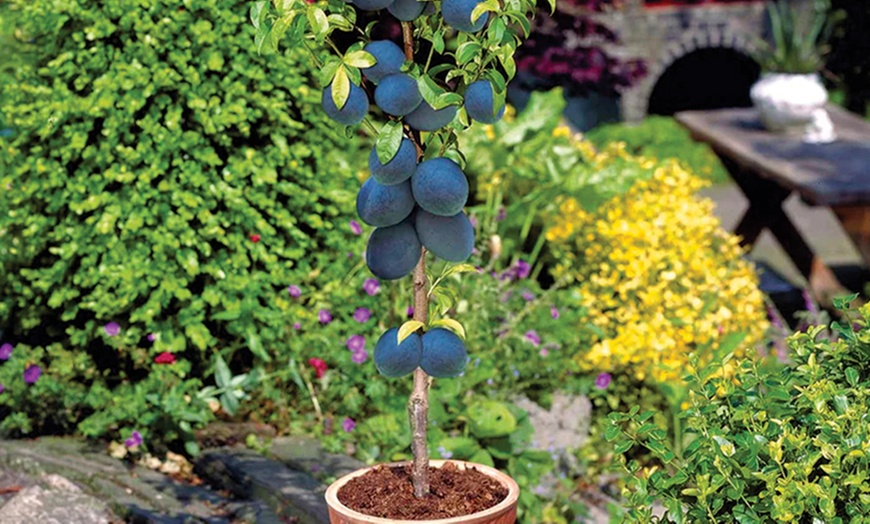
[163, 176]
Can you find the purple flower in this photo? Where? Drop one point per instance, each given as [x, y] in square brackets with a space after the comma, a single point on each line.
[528, 296]
[809, 303]
[134, 440]
[112, 329]
[294, 290]
[603, 380]
[516, 373]
[297, 326]
[1, 388]
[502, 214]
[348, 424]
[523, 269]
[356, 343]
[444, 452]
[362, 315]
[533, 337]
[31, 374]
[490, 381]
[410, 311]
[358, 357]
[324, 316]
[473, 220]
[355, 227]
[152, 337]
[554, 312]
[5, 351]
[544, 352]
[371, 286]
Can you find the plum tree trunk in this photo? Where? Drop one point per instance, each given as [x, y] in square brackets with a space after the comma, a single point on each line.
[418, 404]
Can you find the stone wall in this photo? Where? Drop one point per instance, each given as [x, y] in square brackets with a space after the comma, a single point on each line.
[661, 35]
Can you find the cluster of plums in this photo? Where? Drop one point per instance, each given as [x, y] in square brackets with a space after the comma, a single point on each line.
[414, 204]
[439, 352]
[411, 204]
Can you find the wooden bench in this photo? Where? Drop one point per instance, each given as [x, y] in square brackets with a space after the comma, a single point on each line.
[769, 167]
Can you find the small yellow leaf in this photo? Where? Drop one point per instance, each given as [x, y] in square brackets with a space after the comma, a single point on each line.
[452, 325]
[408, 328]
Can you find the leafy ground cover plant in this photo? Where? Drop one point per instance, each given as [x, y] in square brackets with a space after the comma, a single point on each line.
[765, 443]
[155, 207]
[664, 139]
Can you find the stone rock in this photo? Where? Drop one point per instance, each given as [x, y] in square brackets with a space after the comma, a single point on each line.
[564, 426]
[35, 505]
[56, 482]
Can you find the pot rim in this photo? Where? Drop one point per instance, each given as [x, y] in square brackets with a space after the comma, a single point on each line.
[503, 478]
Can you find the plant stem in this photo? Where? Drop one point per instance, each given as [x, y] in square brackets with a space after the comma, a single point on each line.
[418, 404]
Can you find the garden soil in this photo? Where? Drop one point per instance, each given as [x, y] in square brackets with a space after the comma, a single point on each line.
[387, 492]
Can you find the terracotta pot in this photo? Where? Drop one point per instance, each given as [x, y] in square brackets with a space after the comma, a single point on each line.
[505, 512]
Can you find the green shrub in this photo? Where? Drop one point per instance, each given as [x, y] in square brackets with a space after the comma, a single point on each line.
[163, 176]
[662, 138]
[765, 443]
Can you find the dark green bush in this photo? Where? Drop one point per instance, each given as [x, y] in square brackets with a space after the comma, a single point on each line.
[663, 138]
[163, 176]
[764, 443]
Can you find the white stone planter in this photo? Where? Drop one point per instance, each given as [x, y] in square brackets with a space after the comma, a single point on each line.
[786, 102]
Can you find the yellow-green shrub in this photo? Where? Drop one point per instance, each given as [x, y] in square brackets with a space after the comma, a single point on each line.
[657, 273]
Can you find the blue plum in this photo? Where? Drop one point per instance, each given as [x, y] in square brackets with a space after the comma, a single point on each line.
[389, 59]
[406, 10]
[398, 169]
[425, 118]
[392, 252]
[457, 13]
[397, 360]
[444, 353]
[382, 206]
[354, 110]
[440, 186]
[479, 102]
[448, 238]
[397, 94]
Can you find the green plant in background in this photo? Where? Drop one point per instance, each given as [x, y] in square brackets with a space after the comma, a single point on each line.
[156, 207]
[664, 139]
[765, 443]
[799, 46]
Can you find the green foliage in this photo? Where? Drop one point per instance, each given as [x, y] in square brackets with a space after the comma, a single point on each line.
[764, 443]
[797, 47]
[149, 183]
[662, 138]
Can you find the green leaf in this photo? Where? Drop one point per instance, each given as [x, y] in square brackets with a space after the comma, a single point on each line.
[340, 87]
[222, 374]
[408, 328]
[429, 89]
[318, 20]
[852, 376]
[327, 73]
[280, 28]
[256, 346]
[450, 324]
[447, 99]
[466, 52]
[361, 59]
[552, 6]
[262, 36]
[460, 268]
[438, 42]
[258, 10]
[498, 101]
[483, 7]
[388, 142]
[192, 448]
[490, 419]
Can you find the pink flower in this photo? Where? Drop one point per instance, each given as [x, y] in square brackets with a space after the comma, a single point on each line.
[1, 388]
[371, 286]
[410, 311]
[134, 440]
[324, 316]
[165, 358]
[294, 291]
[528, 296]
[5, 351]
[112, 329]
[355, 227]
[152, 337]
[255, 238]
[603, 380]
[348, 424]
[356, 343]
[319, 366]
[32, 374]
[554, 312]
[533, 337]
[297, 326]
[358, 357]
[362, 315]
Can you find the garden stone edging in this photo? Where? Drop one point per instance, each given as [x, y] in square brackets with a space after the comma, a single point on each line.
[129, 493]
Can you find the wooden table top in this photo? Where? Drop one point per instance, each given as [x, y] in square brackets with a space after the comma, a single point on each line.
[832, 174]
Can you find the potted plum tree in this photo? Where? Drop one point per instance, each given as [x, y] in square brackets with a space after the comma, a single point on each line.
[425, 90]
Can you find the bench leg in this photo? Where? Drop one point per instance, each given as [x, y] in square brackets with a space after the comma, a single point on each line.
[856, 222]
[765, 211]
